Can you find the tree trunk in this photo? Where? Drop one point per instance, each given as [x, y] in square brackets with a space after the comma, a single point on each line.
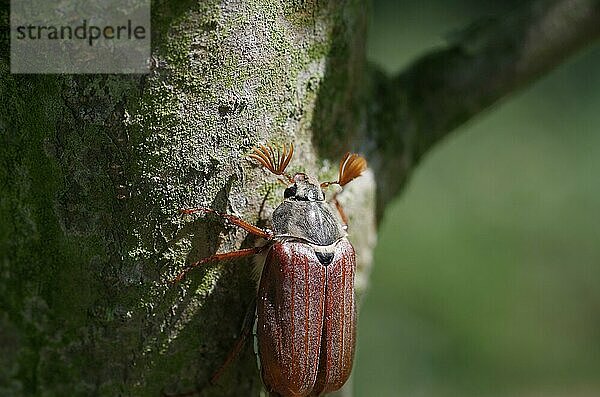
[95, 168]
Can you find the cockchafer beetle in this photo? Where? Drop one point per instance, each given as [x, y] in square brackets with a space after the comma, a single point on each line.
[305, 305]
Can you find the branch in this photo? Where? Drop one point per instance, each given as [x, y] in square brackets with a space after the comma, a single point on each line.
[483, 64]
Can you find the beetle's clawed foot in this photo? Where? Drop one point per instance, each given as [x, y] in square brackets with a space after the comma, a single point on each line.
[190, 211]
[177, 278]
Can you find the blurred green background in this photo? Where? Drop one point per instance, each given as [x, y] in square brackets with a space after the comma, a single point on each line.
[487, 272]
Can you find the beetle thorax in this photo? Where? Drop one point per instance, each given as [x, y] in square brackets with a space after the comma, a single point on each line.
[305, 215]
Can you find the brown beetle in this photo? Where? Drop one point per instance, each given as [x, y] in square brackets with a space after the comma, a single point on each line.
[305, 307]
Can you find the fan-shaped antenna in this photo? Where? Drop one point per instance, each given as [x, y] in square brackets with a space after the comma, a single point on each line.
[274, 159]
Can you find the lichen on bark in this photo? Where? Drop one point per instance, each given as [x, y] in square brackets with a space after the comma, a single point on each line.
[96, 168]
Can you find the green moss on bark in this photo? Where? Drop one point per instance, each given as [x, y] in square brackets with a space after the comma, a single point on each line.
[96, 168]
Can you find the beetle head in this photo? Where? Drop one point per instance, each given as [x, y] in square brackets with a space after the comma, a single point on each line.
[305, 188]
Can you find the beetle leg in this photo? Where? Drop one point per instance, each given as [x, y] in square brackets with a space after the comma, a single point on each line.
[239, 344]
[231, 356]
[340, 209]
[264, 233]
[219, 257]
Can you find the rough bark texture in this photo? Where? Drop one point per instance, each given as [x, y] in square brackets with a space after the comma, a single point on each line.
[95, 168]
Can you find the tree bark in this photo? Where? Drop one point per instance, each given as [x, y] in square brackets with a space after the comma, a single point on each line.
[95, 168]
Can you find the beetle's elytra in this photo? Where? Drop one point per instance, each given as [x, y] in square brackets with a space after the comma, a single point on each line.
[305, 306]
